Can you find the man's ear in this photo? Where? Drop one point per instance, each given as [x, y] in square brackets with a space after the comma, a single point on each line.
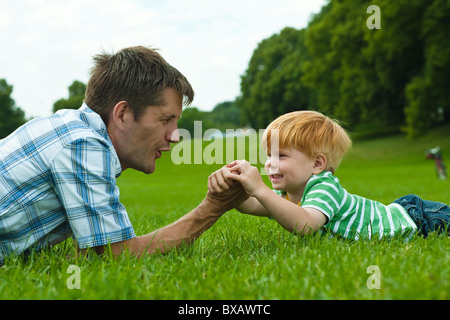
[320, 163]
[121, 113]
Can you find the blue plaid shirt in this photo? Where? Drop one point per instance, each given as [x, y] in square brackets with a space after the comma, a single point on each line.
[58, 179]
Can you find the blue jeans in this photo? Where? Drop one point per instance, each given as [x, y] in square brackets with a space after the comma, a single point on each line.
[428, 215]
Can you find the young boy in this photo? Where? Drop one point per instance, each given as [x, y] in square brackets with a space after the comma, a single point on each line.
[304, 149]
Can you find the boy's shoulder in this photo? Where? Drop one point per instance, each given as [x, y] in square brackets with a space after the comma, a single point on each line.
[325, 178]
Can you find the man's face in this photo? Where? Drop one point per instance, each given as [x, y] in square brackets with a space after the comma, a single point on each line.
[145, 139]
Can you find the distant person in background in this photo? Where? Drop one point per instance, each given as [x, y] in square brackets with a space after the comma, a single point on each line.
[58, 174]
[308, 196]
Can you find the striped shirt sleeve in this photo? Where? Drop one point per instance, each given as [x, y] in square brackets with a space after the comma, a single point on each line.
[84, 174]
[322, 193]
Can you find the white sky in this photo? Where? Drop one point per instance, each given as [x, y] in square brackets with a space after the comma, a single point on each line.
[47, 44]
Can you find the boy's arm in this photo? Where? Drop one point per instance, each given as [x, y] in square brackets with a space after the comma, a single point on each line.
[289, 215]
[254, 207]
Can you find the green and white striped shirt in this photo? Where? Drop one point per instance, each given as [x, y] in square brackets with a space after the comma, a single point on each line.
[352, 216]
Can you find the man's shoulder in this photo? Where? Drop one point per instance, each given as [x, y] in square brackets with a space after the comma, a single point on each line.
[79, 123]
[43, 138]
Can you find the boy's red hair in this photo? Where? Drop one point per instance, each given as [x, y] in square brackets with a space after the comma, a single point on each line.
[311, 133]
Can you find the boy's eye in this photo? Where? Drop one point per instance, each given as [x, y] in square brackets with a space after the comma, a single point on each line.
[279, 156]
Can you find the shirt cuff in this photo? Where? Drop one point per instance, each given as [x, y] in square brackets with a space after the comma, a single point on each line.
[103, 239]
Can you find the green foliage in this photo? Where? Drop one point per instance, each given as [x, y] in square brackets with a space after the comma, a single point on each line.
[11, 116]
[188, 118]
[76, 96]
[428, 100]
[271, 84]
[395, 76]
[359, 73]
[396, 54]
[225, 115]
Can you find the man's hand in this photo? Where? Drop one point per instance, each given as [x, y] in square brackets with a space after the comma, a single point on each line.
[224, 193]
[248, 176]
[218, 182]
[225, 200]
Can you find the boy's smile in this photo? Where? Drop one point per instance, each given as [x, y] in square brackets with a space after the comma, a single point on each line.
[290, 171]
[275, 178]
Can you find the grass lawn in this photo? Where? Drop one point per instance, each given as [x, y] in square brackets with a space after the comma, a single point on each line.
[245, 257]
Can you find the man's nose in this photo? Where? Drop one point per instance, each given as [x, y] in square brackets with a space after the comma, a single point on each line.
[174, 136]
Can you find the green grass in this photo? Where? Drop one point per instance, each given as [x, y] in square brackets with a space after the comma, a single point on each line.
[245, 257]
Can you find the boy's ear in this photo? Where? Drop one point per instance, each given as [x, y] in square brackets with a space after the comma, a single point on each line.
[320, 163]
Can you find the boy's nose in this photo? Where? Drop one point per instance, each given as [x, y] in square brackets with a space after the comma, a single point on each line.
[272, 166]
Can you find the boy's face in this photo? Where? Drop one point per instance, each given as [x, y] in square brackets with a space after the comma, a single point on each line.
[290, 170]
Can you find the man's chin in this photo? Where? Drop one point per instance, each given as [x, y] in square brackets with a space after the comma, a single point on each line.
[150, 170]
[147, 169]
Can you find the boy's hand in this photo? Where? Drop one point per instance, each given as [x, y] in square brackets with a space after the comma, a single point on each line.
[218, 181]
[247, 175]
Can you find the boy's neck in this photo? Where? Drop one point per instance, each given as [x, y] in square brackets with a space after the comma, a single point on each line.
[295, 197]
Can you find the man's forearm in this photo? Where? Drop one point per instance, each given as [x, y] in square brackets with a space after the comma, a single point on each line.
[183, 231]
[186, 229]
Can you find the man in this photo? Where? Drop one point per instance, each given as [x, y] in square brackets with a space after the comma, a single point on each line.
[58, 174]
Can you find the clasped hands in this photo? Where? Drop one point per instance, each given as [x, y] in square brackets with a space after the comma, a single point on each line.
[238, 173]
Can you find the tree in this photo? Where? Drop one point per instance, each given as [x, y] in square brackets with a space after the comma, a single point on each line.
[225, 115]
[396, 56]
[76, 96]
[272, 84]
[391, 76]
[428, 101]
[11, 116]
[352, 78]
[188, 118]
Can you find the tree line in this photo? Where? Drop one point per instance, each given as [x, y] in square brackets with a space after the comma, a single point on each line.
[225, 115]
[394, 77]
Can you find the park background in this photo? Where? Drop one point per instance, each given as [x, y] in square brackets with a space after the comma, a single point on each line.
[388, 87]
[377, 71]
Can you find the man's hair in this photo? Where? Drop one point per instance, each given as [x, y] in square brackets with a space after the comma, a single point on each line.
[311, 133]
[137, 75]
